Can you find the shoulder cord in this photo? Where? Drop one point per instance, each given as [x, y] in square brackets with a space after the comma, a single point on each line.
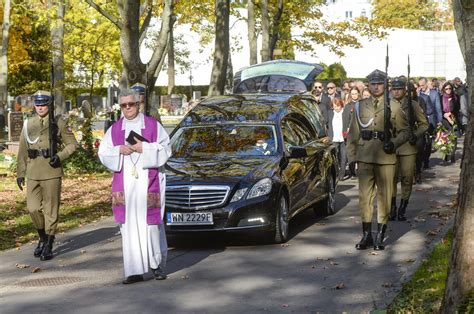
[27, 137]
[363, 125]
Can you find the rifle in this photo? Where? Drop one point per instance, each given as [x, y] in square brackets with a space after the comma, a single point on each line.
[386, 109]
[411, 114]
[53, 127]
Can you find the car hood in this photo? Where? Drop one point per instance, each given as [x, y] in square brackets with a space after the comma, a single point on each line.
[220, 170]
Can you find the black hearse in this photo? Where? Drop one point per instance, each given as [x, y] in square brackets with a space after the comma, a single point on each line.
[253, 159]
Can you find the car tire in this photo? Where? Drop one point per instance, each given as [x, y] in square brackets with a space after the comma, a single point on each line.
[282, 222]
[327, 207]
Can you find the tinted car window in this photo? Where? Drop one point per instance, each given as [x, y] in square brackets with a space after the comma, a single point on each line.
[295, 131]
[314, 114]
[224, 140]
[271, 84]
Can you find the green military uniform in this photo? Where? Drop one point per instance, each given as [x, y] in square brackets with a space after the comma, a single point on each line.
[406, 157]
[43, 180]
[376, 167]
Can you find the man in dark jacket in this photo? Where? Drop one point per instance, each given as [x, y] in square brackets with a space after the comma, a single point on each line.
[322, 99]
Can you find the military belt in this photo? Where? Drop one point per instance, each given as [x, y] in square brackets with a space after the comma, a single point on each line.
[33, 153]
[368, 135]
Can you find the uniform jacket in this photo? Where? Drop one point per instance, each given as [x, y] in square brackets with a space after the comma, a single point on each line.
[39, 168]
[371, 151]
[421, 126]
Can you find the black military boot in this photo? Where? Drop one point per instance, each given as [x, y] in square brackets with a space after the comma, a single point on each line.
[47, 253]
[42, 239]
[393, 210]
[367, 239]
[418, 177]
[401, 210]
[378, 243]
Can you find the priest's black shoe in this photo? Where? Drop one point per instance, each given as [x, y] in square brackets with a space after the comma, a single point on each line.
[159, 273]
[366, 240]
[41, 242]
[378, 243]
[47, 252]
[132, 279]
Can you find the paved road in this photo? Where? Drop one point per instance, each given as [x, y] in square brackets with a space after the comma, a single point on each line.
[223, 273]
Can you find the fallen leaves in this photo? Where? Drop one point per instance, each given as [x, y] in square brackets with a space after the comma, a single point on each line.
[432, 232]
[36, 270]
[374, 253]
[340, 286]
[21, 266]
[410, 260]
[419, 219]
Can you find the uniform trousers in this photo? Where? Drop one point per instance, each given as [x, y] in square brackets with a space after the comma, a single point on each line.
[375, 180]
[405, 171]
[42, 200]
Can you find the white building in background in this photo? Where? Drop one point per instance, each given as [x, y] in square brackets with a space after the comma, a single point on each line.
[432, 53]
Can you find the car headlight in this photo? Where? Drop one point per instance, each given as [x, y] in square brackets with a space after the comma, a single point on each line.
[238, 195]
[262, 187]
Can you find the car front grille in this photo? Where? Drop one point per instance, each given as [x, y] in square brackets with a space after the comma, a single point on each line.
[196, 196]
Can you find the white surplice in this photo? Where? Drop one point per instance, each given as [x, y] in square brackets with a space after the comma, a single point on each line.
[144, 246]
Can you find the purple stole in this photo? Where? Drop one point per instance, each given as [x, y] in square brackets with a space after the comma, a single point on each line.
[150, 132]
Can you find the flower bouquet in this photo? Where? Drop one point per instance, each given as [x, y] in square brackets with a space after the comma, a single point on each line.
[445, 141]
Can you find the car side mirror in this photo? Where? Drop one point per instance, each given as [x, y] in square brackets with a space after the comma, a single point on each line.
[298, 152]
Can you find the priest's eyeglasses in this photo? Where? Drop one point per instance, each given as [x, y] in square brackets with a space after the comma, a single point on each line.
[128, 105]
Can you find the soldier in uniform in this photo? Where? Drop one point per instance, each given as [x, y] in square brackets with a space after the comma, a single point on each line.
[406, 153]
[43, 171]
[375, 157]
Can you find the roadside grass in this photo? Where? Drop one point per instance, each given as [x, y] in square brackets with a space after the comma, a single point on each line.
[84, 199]
[424, 292]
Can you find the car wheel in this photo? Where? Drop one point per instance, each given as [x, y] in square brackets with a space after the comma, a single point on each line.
[327, 207]
[282, 221]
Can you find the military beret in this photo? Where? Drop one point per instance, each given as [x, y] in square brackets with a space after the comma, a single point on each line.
[139, 88]
[41, 98]
[399, 83]
[376, 76]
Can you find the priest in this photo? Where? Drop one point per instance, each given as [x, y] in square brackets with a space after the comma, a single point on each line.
[135, 148]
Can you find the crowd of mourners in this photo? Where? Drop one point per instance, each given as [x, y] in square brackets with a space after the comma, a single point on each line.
[444, 103]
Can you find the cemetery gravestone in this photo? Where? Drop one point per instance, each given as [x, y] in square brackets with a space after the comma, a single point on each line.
[15, 124]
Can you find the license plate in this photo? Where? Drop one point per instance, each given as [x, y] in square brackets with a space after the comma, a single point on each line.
[189, 218]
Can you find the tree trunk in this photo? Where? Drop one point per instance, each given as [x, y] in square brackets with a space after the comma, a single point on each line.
[131, 37]
[57, 44]
[221, 48]
[274, 36]
[265, 52]
[171, 62]
[252, 34]
[4, 54]
[229, 83]
[460, 281]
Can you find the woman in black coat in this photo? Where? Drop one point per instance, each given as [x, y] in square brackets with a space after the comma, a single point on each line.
[450, 108]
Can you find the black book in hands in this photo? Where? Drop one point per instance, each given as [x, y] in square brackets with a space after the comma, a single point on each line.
[134, 136]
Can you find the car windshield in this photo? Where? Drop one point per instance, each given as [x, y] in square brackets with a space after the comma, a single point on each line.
[224, 141]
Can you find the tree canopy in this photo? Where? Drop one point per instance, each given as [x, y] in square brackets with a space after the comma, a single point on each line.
[412, 14]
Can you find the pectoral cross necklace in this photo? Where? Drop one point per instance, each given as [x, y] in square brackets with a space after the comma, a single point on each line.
[134, 168]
